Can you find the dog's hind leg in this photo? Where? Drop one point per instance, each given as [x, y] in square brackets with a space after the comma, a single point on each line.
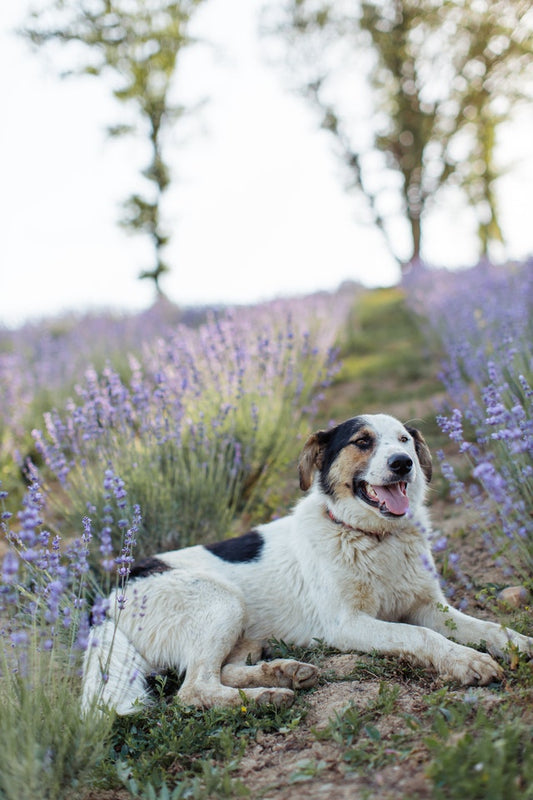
[208, 642]
[113, 672]
[282, 672]
[244, 669]
[206, 691]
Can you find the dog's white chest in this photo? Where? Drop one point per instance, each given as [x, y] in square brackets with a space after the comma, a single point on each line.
[385, 579]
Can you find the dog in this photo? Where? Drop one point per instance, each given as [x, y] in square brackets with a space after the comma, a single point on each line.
[351, 566]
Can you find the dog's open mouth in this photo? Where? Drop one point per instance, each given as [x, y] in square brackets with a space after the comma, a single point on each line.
[389, 499]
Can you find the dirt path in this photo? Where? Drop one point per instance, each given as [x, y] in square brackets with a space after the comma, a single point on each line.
[299, 765]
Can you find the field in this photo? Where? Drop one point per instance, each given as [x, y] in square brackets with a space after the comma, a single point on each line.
[201, 405]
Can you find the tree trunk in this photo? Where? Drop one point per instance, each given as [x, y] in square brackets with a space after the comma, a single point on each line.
[416, 241]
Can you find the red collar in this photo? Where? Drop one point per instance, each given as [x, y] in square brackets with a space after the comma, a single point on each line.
[334, 519]
[373, 534]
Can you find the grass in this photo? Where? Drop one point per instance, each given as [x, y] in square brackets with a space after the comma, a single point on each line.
[186, 751]
[386, 361]
[468, 751]
[485, 763]
[48, 750]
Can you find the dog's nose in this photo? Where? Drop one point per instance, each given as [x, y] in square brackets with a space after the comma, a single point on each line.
[400, 463]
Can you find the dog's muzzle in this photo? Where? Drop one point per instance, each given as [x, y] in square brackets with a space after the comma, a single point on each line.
[390, 499]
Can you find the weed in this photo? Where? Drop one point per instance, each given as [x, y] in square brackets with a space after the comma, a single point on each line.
[213, 781]
[353, 729]
[306, 770]
[314, 654]
[179, 745]
[386, 668]
[484, 763]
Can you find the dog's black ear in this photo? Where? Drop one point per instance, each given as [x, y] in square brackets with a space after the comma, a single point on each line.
[422, 451]
[311, 458]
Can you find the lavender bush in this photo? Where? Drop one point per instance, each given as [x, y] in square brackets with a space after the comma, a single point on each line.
[484, 318]
[48, 750]
[204, 418]
[41, 362]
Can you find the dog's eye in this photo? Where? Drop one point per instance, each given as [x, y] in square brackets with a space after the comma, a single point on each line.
[404, 438]
[362, 444]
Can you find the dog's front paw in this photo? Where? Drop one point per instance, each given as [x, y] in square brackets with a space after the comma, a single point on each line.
[293, 674]
[524, 644]
[468, 667]
[507, 641]
[301, 674]
[281, 698]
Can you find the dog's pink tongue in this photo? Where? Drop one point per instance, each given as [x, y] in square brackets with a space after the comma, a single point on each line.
[394, 496]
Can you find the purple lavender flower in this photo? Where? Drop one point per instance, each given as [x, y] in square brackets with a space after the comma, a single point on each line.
[492, 481]
[440, 544]
[82, 636]
[10, 567]
[53, 594]
[99, 610]
[483, 317]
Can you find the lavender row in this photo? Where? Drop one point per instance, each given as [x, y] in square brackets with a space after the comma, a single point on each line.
[188, 431]
[41, 361]
[48, 600]
[484, 318]
[202, 420]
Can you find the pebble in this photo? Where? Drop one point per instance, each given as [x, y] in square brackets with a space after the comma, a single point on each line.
[516, 596]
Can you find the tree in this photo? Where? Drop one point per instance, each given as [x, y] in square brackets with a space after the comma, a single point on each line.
[138, 42]
[444, 75]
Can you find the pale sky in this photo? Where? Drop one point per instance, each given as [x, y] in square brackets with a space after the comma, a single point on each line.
[258, 207]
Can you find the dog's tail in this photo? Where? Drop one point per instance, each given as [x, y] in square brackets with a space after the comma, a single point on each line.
[114, 673]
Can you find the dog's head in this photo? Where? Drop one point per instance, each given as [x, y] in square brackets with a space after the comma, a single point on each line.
[373, 459]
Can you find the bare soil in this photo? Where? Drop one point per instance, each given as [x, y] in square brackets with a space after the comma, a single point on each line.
[274, 767]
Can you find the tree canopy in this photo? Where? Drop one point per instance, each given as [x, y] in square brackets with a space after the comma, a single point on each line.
[138, 43]
[444, 76]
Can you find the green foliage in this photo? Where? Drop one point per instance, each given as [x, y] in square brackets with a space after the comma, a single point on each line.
[385, 359]
[193, 499]
[306, 769]
[213, 781]
[188, 750]
[484, 763]
[345, 728]
[48, 750]
[443, 78]
[473, 755]
[314, 654]
[355, 731]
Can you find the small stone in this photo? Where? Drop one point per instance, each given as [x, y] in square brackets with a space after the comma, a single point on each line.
[516, 596]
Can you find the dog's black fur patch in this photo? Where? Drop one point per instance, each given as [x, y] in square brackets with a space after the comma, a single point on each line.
[240, 549]
[147, 567]
[338, 438]
[164, 684]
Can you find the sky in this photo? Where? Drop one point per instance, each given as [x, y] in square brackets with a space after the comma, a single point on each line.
[258, 208]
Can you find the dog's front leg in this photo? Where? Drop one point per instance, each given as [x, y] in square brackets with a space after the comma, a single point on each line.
[469, 630]
[420, 645]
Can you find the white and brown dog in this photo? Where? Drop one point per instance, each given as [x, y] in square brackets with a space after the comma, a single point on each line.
[351, 566]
